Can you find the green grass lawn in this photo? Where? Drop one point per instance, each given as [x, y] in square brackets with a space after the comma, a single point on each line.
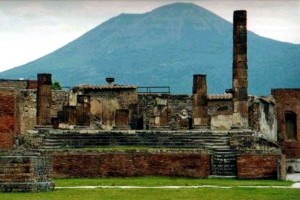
[145, 194]
[165, 181]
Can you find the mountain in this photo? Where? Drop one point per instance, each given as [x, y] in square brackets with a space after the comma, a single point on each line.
[165, 47]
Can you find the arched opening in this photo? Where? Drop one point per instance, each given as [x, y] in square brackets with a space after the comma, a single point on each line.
[291, 125]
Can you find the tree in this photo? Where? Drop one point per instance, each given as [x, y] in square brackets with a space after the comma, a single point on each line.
[56, 85]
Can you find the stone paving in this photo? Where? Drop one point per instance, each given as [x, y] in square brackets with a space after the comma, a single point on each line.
[293, 177]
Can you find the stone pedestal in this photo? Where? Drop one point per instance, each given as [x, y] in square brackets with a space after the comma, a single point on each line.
[20, 173]
[83, 110]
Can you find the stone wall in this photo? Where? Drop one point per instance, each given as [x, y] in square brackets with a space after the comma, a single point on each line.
[220, 112]
[252, 166]
[82, 164]
[16, 84]
[262, 116]
[105, 100]
[288, 102]
[26, 102]
[60, 98]
[25, 173]
[165, 110]
[7, 117]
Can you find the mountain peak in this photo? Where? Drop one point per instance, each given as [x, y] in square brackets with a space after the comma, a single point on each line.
[166, 47]
[179, 8]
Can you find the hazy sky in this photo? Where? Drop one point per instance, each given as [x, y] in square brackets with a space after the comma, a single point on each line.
[33, 28]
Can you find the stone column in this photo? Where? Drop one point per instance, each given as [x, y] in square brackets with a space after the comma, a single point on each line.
[83, 110]
[240, 68]
[200, 116]
[122, 119]
[44, 99]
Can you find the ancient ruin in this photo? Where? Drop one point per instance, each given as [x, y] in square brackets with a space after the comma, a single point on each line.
[115, 130]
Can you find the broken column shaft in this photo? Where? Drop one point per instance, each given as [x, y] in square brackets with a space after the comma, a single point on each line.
[240, 70]
[83, 110]
[44, 99]
[200, 116]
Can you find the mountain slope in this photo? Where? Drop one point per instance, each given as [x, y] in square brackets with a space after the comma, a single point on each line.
[166, 47]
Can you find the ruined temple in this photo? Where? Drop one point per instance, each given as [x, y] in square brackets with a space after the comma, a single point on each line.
[198, 135]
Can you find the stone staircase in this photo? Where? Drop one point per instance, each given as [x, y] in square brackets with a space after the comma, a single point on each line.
[223, 163]
[223, 160]
[154, 139]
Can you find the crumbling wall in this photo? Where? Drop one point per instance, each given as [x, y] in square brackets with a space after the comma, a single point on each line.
[7, 117]
[220, 112]
[26, 102]
[165, 110]
[16, 84]
[60, 98]
[262, 116]
[105, 101]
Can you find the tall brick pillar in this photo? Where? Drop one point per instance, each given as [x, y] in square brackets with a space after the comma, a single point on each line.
[240, 68]
[83, 110]
[44, 98]
[200, 116]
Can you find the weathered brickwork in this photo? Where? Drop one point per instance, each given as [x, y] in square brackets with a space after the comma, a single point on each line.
[130, 164]
[7, 118]
[288, 105]
[260, 166]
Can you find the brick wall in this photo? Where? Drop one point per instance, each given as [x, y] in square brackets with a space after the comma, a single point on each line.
[259, 166]
[288, 100]
[7, 118]
[130, 164]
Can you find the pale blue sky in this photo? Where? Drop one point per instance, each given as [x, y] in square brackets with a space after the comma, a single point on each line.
[33, 28]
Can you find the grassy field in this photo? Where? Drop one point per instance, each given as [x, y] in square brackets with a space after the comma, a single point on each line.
[145, 194]
[166, 181]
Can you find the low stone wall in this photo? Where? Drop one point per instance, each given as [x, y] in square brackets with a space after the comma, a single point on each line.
[117, 164]
[261, 166]
[25, 174]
